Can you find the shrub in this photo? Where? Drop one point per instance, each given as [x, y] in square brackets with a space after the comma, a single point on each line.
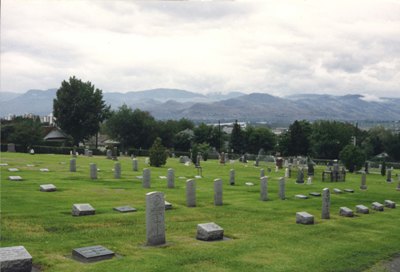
[158, 154]
[352, 157]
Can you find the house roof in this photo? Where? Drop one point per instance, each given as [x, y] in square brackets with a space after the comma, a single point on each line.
[55, 134]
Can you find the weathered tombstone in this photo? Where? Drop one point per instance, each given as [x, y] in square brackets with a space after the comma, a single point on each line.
[124, 209]
[256, 163]
[218, 192]
[171, 178]
[226, 157]
[309, 180]
[282, 188]
[93, 171]
[155, 219]
[117, 170]
[363, 181]
[389, 175]
[191, 193]
[198, 159]
[262, 173]
[287, 173]
[72, 165]
[90, 153]
[82, 209]
[304, 218]
[346, 212]
[222, 158]
[377, 206]
[86, 152]
[342, 174]
[264, 188]
[335, 172]
[47, 188]
[315, 194]
[279, 163]
[135, 164]
[92, 253]
[146, 178]
[286, 163]
[11, 147]
[300, 176]
[109, 154]
[326, 204]
[349, 190]
[310, 169]
[290, 170]
[362, 209]
[337, 191]
[15, 178]
[390, 204]
[209, 232]
[232, 177]
[15, 259]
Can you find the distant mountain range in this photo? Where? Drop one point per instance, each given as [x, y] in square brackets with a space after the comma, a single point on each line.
[255, 107]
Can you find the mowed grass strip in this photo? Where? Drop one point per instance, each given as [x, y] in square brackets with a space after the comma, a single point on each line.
[263, 236]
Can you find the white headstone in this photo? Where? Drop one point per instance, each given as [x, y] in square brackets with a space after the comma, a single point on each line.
[155, 219]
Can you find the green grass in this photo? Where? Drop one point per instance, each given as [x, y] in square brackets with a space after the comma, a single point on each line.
[263, 235]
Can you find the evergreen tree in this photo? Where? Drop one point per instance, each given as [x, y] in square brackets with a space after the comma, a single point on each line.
[158, 154]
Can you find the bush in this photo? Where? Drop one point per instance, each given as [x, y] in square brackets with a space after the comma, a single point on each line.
[352, 157]
[158, 154]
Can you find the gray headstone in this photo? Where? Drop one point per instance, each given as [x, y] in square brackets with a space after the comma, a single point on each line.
[82, 209]
[232, 177]
[218, 192]
[349, 190]
[72, 165]
[109, 154]
[337, 191]
[15, 259]
[135, 164]
[390, 204]
[300, 176]
[304, 218]
[389, 175]
[146, 178]
[301, 196]
[117, 170]
[48, 188]
[287, 173]
[191, 193]
[124, 209]
[282, 188]
[362, 209]
[92, 253]
[262, 173]
[344, 211]
[363, 181]
[93, 171]
[171, 178]
[90, 153]
[264, 188]
[315, 194]
[86, 152]
[168, 206]
[10, 147]
[377, 206]
[13, 170]
[15, 178]
[326, 203]
[155, 219]
[209, 232]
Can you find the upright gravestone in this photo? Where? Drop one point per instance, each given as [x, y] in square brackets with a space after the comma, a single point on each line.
[109, 154]
[198, 159]
[256, 163]
[262, 173]
[300, 176]
[226, 157]
[72, 165]
[222, 158]
[15, 259]
[135, 164]
[363, 181]
[117, 170]
[155, 219]
[191, 193]
[282, 188]
[264, 188]
[93, 171]
[146, 178]
[171, 178]
[10, 147]
[90, 153]
[389, 175]
[232, 177]
[309, 180]
[86, 152]
[217, 192]
[287, 173]
[326, 203]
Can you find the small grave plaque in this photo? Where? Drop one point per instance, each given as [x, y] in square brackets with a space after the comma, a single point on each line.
[349, 190]
[15, 178]
[44, 170]
[209, 232]
[82, 209]
[315, 194]
[304, 218]
[47, 188]
[390, 204]
[168, 206]
[92, 253]
[377, 206]
[13, 169]
[337, 191]
[162, 177]
[344, 211]
[362, 209]
[301, 196]
[15, 259]
[3, 164]
[125, 209]
[30, 165]
[249, 183]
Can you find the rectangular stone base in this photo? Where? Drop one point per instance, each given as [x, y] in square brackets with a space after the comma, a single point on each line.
[377, 206]
[362, 209]
[82, 209]
[92, 253]
[209, 232]
[47, 188]
[390, 204]
[344, 211]
[15, 259]
[304, 218]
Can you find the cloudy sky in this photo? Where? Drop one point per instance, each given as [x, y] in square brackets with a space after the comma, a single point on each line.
[277, 47]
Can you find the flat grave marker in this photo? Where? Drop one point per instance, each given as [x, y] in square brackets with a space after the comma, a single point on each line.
[15, 259]
[13, 170]
[304, 218]
[209, 232]
[390, 204]
[377, 206]
[82, 209]
[362, 209]
[15, 178]
[344, 211]
[92, 253]
[124, 209]
[47, 188]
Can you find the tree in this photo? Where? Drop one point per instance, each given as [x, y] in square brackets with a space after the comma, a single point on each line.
[202, 133]
[383, 168]
[157, 153]
[26, 132]
[237, 139]
[79, 109]
[259, 137]
[392, 146]
[296, 141]
[352, 157]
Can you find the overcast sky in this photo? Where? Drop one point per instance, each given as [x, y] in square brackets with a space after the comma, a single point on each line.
[276, 47]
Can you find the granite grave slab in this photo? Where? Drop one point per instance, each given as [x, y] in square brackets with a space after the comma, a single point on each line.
[47, 188]
[92, 253]
[82, 209]
[15, 259]
[209, 232]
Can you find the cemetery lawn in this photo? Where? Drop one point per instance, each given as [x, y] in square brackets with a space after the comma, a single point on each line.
[263, 236]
